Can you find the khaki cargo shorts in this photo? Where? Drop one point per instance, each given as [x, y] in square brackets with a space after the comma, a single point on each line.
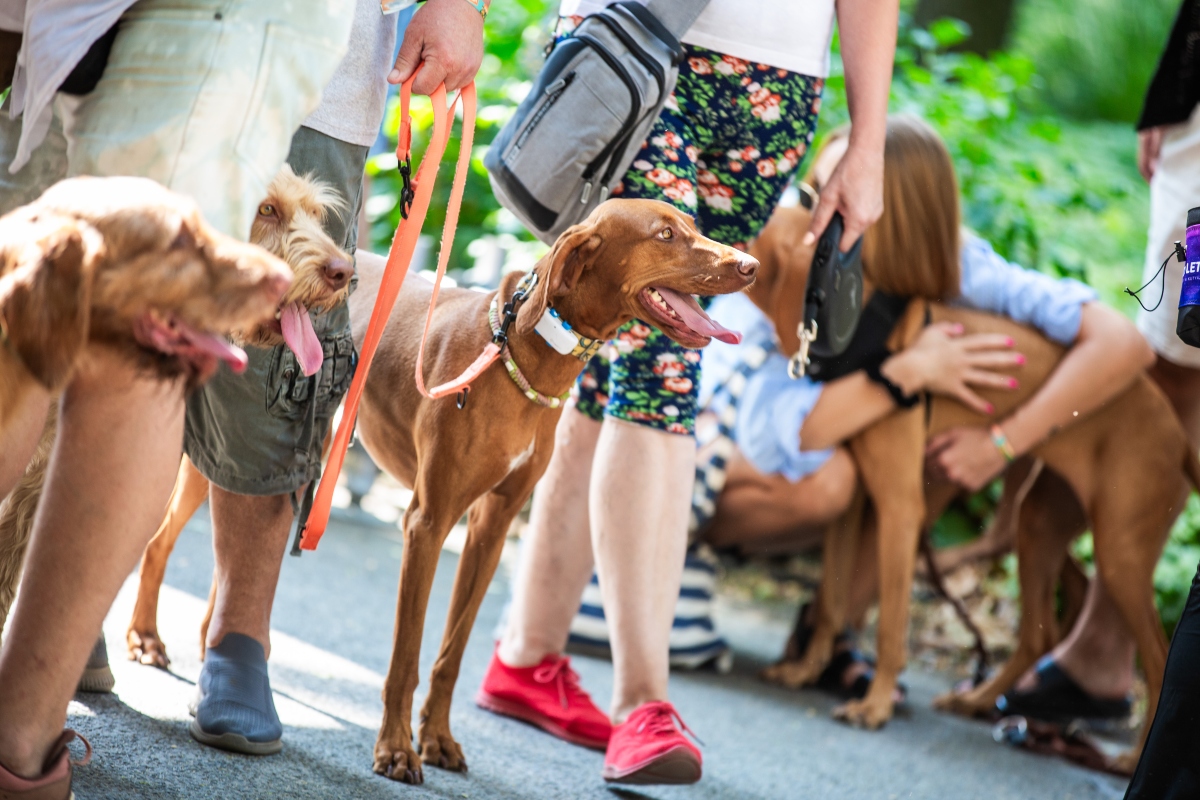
[203, 96]
[261, 432]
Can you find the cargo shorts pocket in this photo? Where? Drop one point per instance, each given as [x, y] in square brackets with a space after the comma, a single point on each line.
[288, 387]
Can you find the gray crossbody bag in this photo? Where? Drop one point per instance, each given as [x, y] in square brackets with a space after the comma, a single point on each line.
[591, 107]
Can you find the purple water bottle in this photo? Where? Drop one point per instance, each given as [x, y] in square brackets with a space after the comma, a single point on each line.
[1188, 327]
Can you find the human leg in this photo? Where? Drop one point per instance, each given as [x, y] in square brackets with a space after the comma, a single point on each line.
[111, 473]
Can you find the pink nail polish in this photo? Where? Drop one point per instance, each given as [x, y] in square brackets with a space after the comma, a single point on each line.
[990, 408]
[1009, 342]
[1020, 359]
[1012, 383]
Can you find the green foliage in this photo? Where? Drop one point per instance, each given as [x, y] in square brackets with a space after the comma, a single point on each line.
[1096, 57]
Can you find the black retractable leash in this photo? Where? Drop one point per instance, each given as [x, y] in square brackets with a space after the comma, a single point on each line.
[1181, 256]
[832, 300]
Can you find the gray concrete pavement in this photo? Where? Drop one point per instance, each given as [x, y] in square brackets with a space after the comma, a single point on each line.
[333, 624]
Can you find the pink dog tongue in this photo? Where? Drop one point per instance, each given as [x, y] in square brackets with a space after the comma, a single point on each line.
[694, 317]
[299, 334]
[231, 354]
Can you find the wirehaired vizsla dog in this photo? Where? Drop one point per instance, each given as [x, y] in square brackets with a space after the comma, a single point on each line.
[289, 225]
[1129, 465]
[119, 263]
[630, 259]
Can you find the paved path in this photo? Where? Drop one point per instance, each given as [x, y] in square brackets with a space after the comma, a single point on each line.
[333, 618]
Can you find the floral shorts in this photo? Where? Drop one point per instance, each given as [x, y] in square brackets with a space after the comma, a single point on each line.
[725, 147]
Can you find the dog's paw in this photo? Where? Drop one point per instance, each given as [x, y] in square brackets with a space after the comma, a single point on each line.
[967, 704]
[440, 750]
[146, 648]
[866, 713]
[793, 674]
[398, 760]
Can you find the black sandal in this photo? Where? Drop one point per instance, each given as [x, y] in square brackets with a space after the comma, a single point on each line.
[845, 656]
[1058, 698]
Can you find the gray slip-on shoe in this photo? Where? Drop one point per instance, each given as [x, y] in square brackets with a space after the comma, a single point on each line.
[97, 676]
[234, 709]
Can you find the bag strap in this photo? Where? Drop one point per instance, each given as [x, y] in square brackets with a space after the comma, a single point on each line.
[404, 244]
[676, 16]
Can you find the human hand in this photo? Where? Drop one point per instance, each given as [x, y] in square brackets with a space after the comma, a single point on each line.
[967, 456]
[1149, 148]
[445, 35]
[944, 361]
[856, 190]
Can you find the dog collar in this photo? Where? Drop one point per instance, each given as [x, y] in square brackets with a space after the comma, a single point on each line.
[500, 336]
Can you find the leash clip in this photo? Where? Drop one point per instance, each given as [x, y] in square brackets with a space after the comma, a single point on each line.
[460, 399]
[798, 363]
[526, 286]
[407, 195]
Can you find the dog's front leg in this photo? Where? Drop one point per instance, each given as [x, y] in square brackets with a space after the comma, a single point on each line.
[425, 528]
[889, 457]
[487, 525]
[841, 546]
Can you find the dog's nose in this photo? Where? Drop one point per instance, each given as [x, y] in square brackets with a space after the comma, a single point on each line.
[338, 272]
[747, 266]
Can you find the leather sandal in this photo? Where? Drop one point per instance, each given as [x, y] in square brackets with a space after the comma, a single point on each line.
[1058, 698]
[55, 781]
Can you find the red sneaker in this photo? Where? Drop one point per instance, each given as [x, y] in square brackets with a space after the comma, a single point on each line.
[649, 748]
[548, 696]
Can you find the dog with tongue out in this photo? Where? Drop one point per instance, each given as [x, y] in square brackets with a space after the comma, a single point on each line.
[289, 225]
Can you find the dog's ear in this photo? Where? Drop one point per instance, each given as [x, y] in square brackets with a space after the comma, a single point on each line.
[561, 268]
[44, 302]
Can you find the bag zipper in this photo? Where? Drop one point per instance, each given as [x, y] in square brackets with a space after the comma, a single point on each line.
[652, 66]
[551, 94]
[635, 102]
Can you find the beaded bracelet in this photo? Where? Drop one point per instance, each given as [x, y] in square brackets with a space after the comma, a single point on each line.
[1002, 444]
[481, 6]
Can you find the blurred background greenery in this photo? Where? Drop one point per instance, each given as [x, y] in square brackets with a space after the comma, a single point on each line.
[1037, 107]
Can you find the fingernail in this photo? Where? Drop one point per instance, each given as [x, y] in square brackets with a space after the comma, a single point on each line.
[1020, 359]
[809, 238]
[1009, 342]
[958, 328]
[1012, 383]
[393, 76]
[990, 408]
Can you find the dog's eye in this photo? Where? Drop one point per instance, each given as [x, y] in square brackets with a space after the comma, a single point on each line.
[666, 233]
[266, 210]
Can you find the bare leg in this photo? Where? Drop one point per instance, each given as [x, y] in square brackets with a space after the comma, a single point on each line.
[249, 537]
[769, 513]
[119, 441]
[641, 496]
[556, 554]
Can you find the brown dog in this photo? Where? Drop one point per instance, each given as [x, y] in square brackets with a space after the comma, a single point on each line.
[121, 263]
[1127, 463]
[289, 225]
[622, 263]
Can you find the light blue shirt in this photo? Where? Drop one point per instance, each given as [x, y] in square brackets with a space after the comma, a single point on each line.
[773, 407]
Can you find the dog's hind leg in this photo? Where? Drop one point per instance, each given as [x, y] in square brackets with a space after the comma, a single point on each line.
[435, 507]
[487, 527]
[16, 516]
[833, 598]
[142, 637]
[1045, 527]
[1128, 546]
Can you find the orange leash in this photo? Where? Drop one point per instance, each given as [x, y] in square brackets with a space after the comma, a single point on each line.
[404, 244]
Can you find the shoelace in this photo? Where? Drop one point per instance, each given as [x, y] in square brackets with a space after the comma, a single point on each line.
[566, 679]
[662, 719]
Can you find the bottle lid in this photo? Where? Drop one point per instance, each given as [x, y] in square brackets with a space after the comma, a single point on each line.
[1193, 217]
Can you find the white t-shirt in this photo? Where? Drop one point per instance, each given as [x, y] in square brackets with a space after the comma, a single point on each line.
[354, 101]
[787, 34]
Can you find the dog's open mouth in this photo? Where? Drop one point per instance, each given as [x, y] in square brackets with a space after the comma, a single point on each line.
[680, 317]
[170, 335]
